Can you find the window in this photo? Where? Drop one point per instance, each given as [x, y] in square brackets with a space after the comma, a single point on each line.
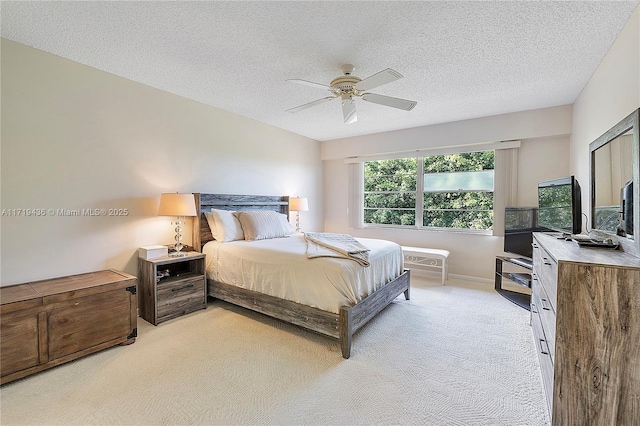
[390, 191]
[439, 191]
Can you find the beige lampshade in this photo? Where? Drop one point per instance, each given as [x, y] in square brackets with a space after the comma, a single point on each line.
[177, 205]
[297, 204]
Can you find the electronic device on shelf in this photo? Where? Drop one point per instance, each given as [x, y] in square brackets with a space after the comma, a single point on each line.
[521, 261]
[609, 243]
[579, 237]
[560, 205]
[593, 241]
[598, 244]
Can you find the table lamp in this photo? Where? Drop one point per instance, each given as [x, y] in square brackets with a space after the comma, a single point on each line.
[178, 205]
[297, 204]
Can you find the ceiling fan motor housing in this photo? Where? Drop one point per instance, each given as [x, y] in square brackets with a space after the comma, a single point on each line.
[345, 83]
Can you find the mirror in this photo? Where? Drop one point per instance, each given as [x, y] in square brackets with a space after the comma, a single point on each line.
[615, 172]
[614, 167]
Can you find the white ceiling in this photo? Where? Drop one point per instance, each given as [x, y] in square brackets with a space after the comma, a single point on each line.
[460, 60]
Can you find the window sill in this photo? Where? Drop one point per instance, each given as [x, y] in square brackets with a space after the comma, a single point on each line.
[425, 229]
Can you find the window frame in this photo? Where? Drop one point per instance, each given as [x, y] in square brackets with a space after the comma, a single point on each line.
[418, 208]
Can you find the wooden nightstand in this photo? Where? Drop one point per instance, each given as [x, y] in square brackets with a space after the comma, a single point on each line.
[181, 291]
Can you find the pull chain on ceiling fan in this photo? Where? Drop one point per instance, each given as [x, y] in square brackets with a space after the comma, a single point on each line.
[347, 86]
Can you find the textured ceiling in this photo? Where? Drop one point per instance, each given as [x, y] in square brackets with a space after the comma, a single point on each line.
[460, 60]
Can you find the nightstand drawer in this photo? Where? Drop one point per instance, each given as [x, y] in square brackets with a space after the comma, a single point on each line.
[176, 298]
[174, 288]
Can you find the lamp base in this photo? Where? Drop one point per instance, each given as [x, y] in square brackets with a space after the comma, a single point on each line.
[178, 245]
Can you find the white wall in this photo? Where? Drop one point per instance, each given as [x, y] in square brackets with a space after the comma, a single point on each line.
[540, 159]
[544, 154]
[74, 137]
[612, 93]
[546, 122]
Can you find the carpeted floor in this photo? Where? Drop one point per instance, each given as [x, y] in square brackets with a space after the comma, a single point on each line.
[453, 355]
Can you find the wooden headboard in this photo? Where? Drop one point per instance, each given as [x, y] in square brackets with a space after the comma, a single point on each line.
[205, 202]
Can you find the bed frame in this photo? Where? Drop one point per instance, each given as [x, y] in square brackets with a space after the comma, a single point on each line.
[340, 326]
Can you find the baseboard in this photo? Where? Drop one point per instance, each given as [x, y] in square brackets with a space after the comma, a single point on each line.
[470, 278]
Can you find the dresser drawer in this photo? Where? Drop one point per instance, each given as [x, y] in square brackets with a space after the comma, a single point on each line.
[176, 298]
[546, 271]
[547, 315]
[544, 355]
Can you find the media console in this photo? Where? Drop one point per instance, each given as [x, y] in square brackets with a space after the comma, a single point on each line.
[520, 278]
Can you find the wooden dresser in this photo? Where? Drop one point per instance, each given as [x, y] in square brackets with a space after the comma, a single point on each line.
[585, 314]
[50, 322]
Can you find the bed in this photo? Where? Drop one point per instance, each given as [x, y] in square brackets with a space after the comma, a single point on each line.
[338, 315]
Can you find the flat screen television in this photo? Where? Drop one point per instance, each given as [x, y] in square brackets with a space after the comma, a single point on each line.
[519, 225]
[560, 205]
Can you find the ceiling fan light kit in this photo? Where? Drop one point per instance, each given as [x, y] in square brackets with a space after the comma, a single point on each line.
[349, 109]
[347, 86]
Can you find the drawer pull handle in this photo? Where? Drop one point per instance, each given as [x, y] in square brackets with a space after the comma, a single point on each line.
[545, 304]
[182, 288]
[546, 261]
[544, 348]
[534, 308]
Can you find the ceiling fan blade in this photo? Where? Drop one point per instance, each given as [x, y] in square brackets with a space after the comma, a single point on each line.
[383, 77]
[389, 101]
[310, 104]
[349, 109]
[309, 83]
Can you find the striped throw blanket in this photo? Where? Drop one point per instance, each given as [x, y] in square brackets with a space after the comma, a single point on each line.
[322, 244]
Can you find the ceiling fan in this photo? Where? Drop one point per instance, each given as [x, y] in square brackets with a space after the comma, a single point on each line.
[347, 86]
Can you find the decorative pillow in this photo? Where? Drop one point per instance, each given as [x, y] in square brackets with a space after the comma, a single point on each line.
[211, 221]
[264, 224]
[227, 226]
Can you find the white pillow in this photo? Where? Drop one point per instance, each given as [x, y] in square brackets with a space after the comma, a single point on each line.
[264, 224]
[211, 221]
[227, 226]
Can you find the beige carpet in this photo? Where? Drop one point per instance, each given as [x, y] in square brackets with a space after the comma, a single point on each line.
[453, 355]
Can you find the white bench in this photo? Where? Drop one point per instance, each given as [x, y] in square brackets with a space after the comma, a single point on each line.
[426, 257]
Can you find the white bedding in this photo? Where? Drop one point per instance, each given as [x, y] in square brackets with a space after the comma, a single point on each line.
[279, 267]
